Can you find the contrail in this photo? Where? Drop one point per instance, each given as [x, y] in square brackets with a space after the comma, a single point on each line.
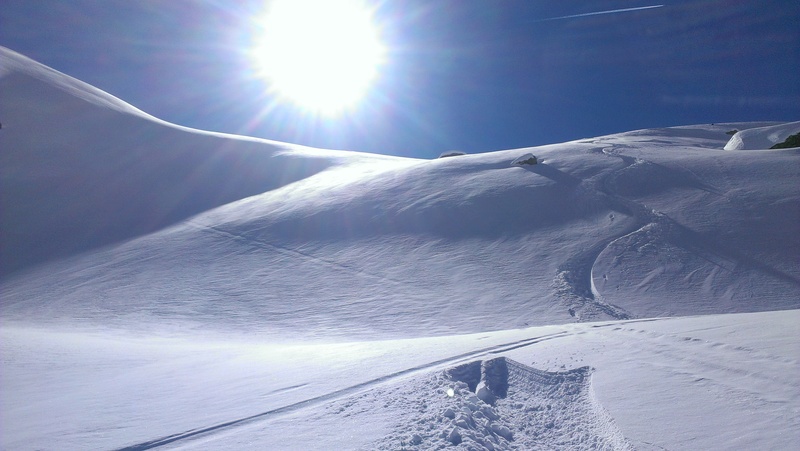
[613, 11]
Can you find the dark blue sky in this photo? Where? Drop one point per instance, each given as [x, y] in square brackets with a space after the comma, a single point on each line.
[461, 74]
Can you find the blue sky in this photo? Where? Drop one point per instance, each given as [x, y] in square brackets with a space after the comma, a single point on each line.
[462, 75]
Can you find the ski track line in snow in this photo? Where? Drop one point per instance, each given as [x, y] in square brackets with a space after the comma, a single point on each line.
[193, 433]
[725, 259]
[574, 280]
[338, 394]
[662, 343]
[573, 272]
[294, 252]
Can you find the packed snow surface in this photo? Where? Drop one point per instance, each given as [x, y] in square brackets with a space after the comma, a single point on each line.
[164, 287]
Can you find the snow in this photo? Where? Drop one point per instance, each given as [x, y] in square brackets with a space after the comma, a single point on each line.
[164, 287]
[762, 137]
[725, 381]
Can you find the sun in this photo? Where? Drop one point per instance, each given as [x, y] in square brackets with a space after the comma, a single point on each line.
[322, 55]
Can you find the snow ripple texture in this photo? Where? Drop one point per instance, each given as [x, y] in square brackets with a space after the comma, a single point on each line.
[498, 404]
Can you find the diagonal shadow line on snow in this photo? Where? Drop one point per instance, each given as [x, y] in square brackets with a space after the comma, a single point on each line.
[711, 249]
[554, 174]
[290, 251]
[496, 349]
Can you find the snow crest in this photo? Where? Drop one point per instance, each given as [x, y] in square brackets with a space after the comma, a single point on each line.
[762, 137]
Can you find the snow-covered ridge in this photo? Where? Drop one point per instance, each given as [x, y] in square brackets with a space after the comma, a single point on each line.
[762, 137]
[12, 63]
[82, 169]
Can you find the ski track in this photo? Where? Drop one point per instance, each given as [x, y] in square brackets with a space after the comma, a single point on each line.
[725, 259]
[574, 280]
[341, 393]
[358, 388]
[296, 253]
[578, 272]
[745, 378]
[664, 344]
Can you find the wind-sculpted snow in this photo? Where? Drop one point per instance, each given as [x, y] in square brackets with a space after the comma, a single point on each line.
[761, 138]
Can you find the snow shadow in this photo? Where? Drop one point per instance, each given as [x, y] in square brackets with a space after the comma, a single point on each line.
[553, 174]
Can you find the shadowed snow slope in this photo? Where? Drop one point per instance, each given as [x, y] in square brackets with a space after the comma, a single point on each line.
[80, 169]
[209, 231]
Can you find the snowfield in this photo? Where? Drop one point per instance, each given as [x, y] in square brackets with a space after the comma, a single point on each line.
[164, 287]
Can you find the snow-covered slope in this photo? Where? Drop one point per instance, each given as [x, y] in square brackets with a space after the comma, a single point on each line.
[284, 241]
[762, 137]
[81, 169]
[202, 274]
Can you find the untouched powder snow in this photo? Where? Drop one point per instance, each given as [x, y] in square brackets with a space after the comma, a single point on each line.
[163, 287]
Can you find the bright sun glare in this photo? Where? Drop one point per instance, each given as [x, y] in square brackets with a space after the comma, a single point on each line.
[320, 54]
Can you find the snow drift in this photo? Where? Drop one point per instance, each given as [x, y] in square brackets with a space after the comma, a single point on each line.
[762, 137]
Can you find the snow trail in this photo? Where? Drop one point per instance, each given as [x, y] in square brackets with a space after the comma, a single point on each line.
[229, 426]
[294, 252]
[204, 431]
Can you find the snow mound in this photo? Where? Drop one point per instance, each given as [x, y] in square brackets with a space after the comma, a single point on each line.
[537, 410]
[762, 137]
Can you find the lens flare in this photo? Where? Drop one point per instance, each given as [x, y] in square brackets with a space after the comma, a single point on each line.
[320, 54]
